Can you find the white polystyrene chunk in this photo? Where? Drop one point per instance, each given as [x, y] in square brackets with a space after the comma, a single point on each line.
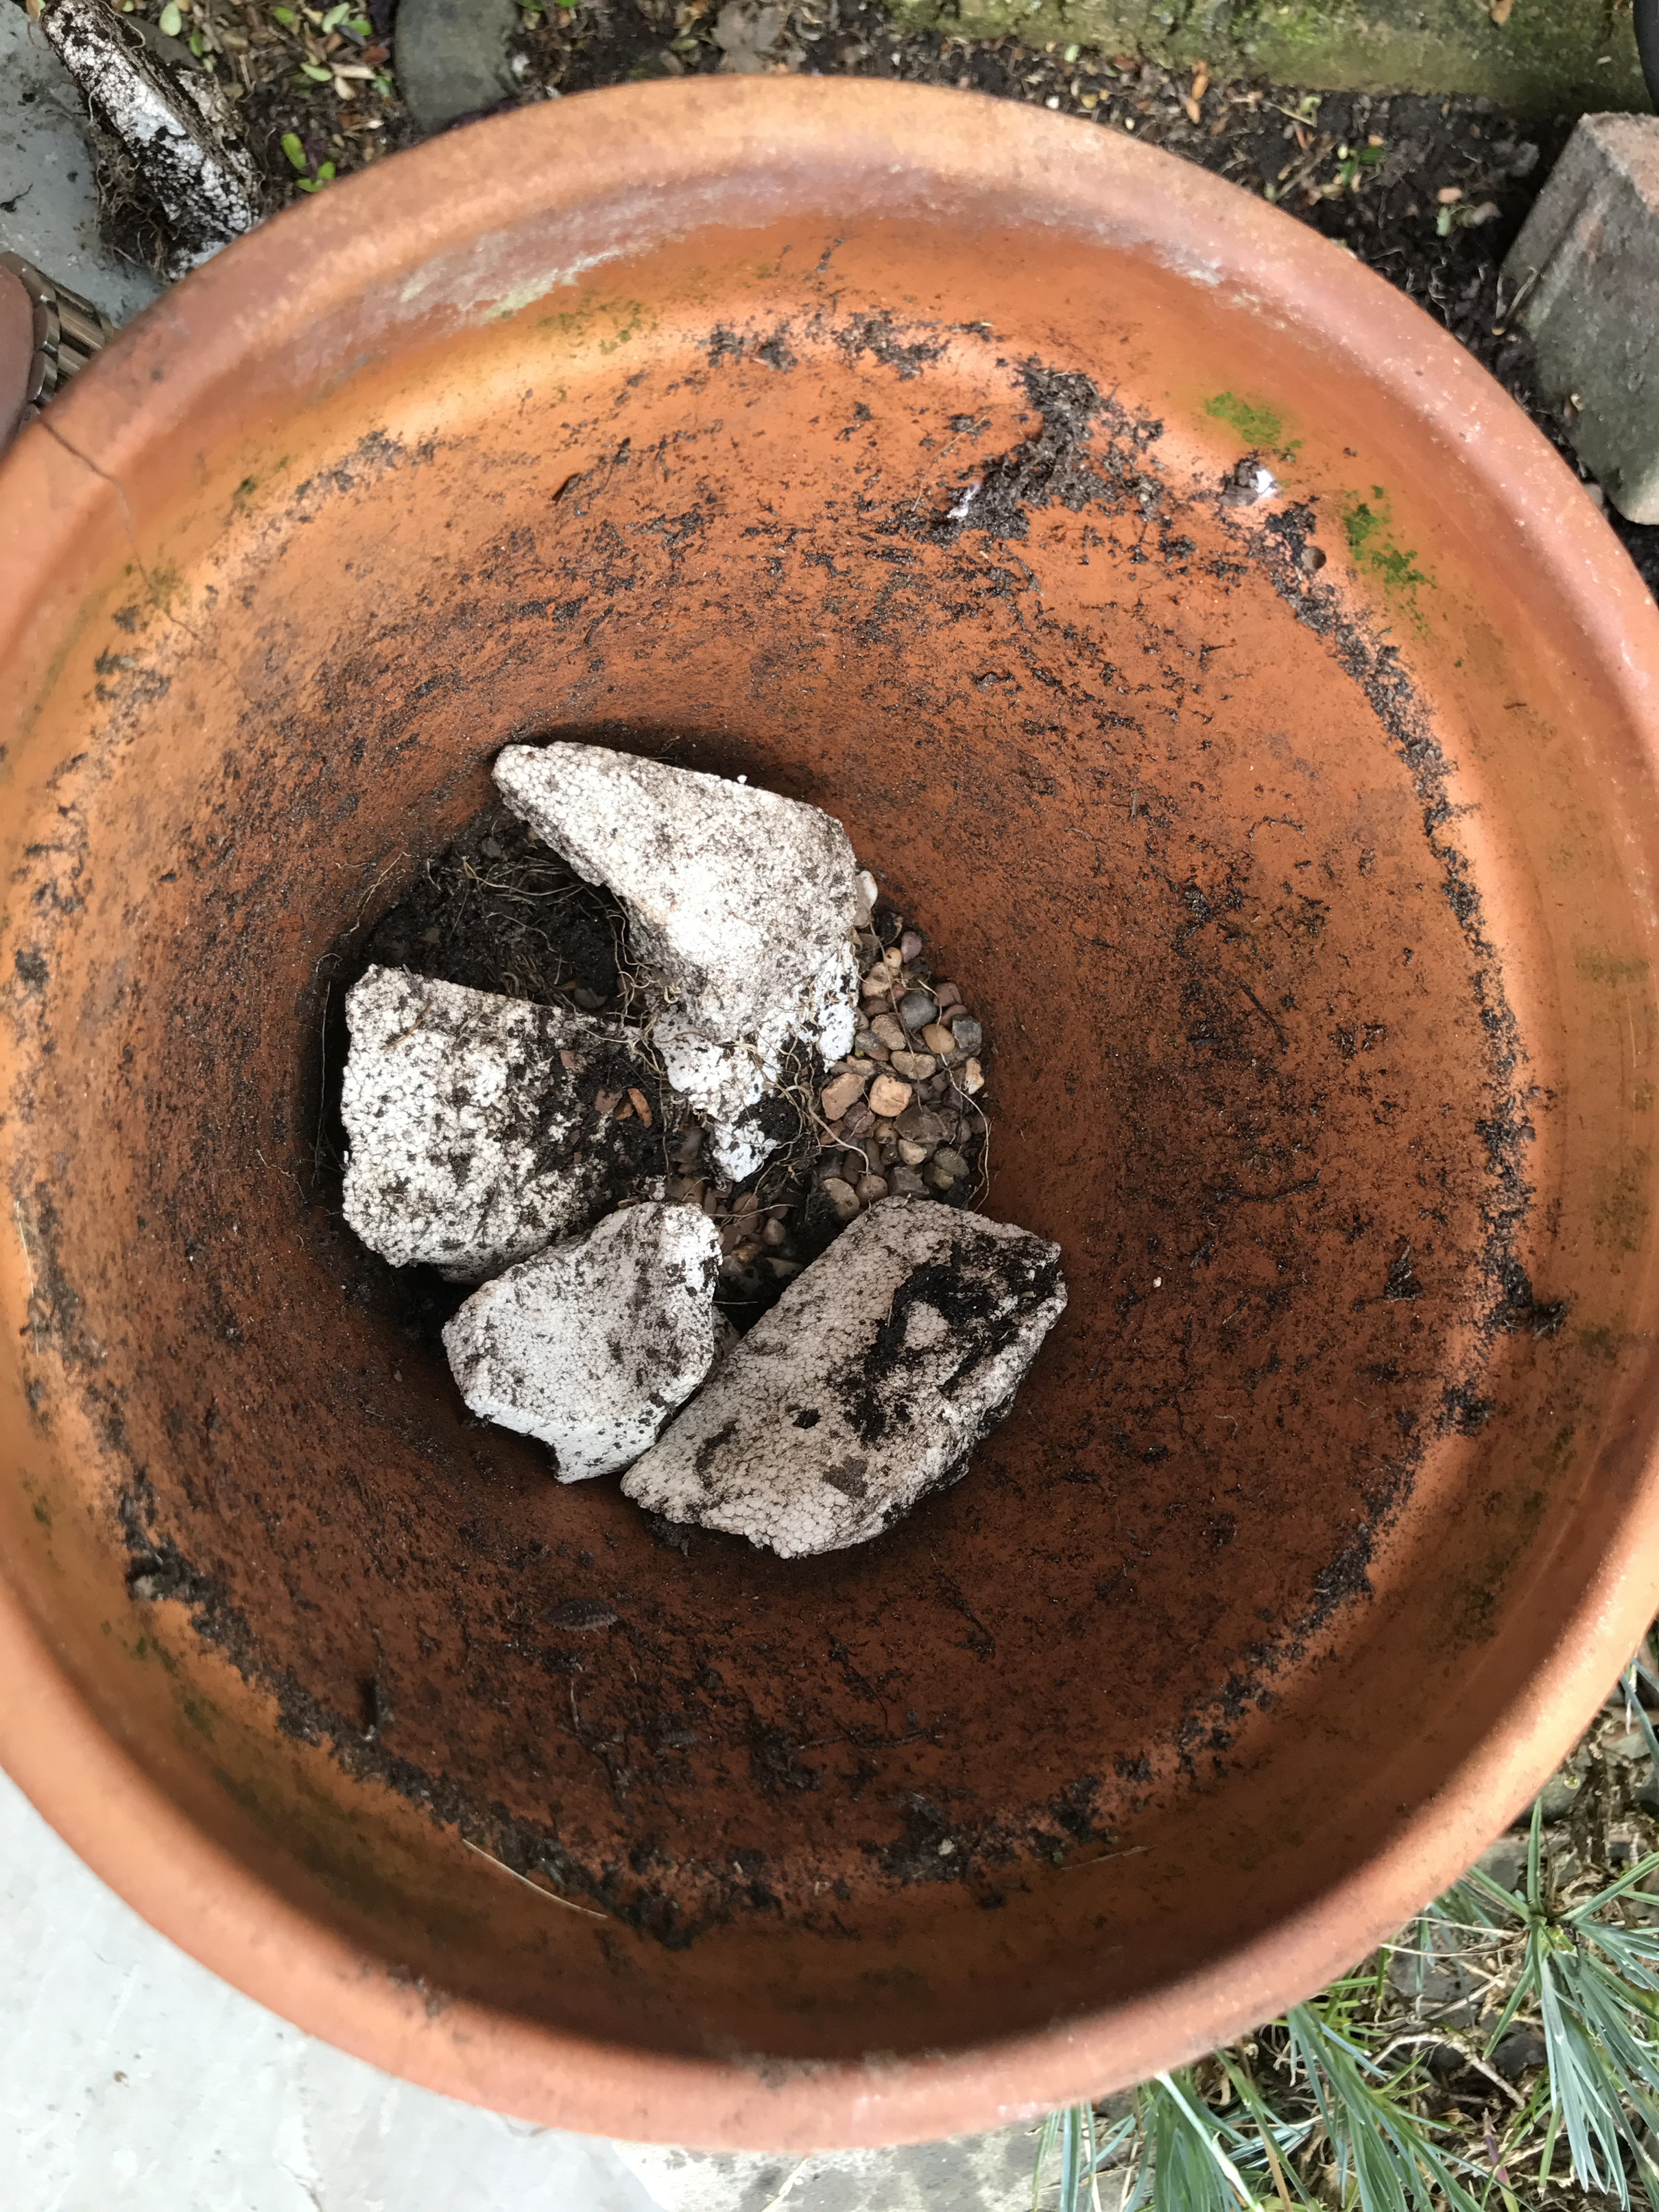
[591, 1345]
[741, 905]
[866, 1387]
[473, 1139]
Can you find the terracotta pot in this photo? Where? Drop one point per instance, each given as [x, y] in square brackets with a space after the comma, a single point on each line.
[1312, 908]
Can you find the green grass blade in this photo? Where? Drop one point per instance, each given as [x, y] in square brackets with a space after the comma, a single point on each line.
[1205, 2134]
[1579, 2089]
[1045, 2149]
[1534, 1857]
[1077, 2144]
[1526, 1986]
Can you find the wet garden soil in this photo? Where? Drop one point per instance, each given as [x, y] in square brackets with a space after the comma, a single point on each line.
[1372, 173]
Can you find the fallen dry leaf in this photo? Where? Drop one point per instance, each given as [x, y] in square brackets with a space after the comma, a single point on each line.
[1501, 10]
[641, 1107]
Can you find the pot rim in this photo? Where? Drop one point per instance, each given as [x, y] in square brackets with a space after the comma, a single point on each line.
[142, 391]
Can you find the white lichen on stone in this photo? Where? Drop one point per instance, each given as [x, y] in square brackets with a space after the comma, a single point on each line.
[474, 1137]
[866, 1386]
[594, 1343]
[741, 906]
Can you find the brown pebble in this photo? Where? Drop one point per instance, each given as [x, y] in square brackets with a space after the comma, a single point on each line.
[890, 1031]
[858, 1121]
[939, 1040]
[947, 994]
[910, 944]
[893, 957]
[935, 1177]
[911, 1153]
[905, 1183]
[877, 984]
[951, 1162]
[971, 1078]
[888, 1096]
[914, 1066]
[775, 1234]
[841, 1092]
[841, 1196]
[870, 1188]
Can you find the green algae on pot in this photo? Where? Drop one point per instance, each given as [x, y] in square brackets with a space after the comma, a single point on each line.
[1550, 56]
[907, 493]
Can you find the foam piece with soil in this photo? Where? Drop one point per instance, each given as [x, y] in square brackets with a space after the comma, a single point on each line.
[591, 1345]
[866, 1386]
[740, 904]
[480, 1128]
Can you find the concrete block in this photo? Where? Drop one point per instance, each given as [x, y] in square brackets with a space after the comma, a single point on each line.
[591, 1345]
[482, 1128]
[866, 1387]
[1585, 273]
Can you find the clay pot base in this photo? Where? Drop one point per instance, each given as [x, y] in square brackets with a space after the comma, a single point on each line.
[1297, 898]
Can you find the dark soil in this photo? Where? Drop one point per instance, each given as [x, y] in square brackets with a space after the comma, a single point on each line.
[498, 911]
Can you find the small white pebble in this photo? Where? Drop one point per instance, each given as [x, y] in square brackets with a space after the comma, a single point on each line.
[946, 1848]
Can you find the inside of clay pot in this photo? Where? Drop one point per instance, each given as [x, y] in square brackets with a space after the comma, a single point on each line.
[1240, 854]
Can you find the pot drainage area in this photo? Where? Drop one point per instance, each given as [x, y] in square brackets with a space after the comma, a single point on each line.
[688, 1154]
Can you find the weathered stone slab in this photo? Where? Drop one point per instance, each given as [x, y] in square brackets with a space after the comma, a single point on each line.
[866, 1387]
[591, 1345]
[740, 904]
[481, 1128]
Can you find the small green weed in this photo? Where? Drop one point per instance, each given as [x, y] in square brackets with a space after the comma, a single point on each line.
[310, 180]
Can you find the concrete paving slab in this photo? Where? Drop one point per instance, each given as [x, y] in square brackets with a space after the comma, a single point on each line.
[130, 2075]
[48, 190]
